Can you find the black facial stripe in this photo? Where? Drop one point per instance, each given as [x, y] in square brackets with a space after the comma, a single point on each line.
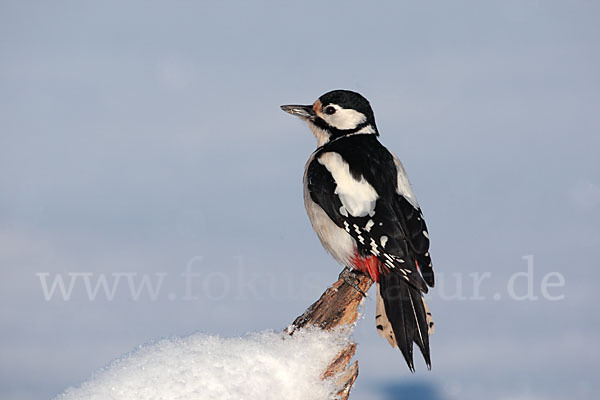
[335, 132]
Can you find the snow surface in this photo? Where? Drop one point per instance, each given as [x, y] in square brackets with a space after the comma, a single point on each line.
[265, 365]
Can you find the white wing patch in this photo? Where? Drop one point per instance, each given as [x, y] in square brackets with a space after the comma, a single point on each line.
[358, 197]
[403, 185]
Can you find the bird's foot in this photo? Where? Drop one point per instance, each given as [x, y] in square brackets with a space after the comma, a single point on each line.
[351, 278]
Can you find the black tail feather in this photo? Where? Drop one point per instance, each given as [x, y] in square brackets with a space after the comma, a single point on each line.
[406, 312]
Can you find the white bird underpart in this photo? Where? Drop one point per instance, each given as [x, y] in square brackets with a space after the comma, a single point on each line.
[334, 239]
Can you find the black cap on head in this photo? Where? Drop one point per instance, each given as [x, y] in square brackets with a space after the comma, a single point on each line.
[351, 100]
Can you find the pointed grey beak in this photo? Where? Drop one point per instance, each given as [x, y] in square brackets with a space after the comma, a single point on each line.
[304, 112]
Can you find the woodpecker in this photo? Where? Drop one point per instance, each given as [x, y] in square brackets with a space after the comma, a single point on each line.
[365, 213]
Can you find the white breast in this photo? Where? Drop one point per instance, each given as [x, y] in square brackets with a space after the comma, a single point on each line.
[333, 238]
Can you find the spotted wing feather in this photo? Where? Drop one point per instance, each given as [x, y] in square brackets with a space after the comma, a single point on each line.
[394, 232]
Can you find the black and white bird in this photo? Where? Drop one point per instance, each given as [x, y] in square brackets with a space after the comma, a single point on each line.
[361, 205]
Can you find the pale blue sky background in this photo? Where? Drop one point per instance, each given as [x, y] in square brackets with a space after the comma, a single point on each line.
[138, 136]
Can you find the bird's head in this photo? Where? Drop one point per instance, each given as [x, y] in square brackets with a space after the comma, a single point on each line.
[335, 114]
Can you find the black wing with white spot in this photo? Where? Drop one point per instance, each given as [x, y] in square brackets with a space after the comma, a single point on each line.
[418, 236]
[355, 181]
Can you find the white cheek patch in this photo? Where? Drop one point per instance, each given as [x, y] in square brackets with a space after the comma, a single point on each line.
[344, 118]
[358, 197]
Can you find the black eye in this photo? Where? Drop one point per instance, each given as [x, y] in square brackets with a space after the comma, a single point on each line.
[329, 110]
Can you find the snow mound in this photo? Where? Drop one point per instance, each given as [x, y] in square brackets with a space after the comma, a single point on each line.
[265, 365]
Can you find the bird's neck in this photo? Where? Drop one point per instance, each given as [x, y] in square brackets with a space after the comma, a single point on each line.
[324, 137]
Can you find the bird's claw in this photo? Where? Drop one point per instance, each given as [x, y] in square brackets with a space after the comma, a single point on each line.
[351, 279]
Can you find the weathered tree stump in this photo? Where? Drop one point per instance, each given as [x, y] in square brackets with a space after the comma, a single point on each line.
[337, 307]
